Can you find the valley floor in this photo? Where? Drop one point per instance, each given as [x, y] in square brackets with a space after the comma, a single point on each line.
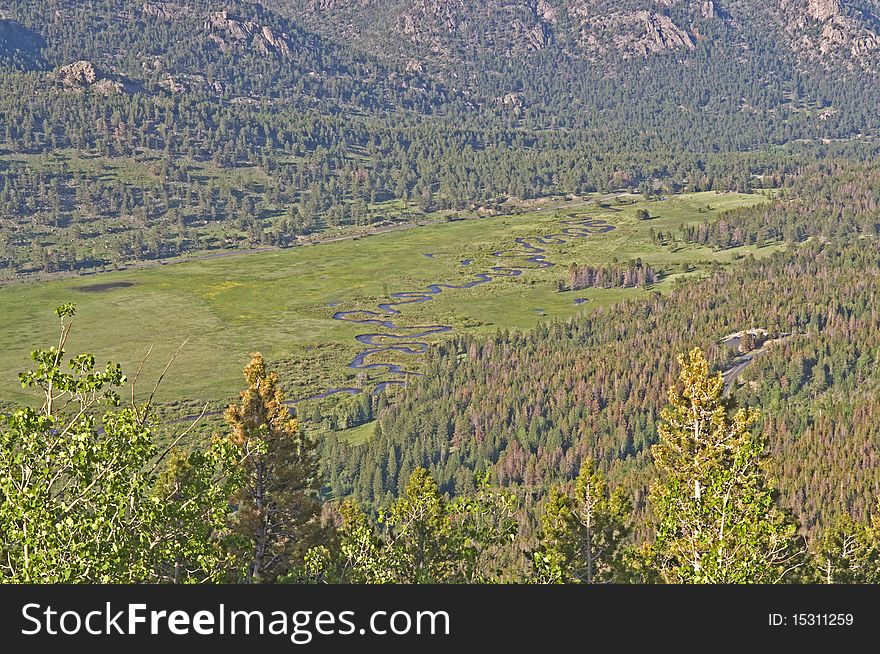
[282, 302]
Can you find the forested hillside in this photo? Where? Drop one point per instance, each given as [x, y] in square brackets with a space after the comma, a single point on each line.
[531, 407]
[108, 504]
[145, 130]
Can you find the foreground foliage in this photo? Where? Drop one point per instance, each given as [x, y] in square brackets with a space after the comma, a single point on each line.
[85, 495]
[85, 501]
[717, 519]
[584, 533]
[277, 503]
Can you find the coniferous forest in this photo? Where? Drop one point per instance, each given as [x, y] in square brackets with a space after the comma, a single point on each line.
[141, 131]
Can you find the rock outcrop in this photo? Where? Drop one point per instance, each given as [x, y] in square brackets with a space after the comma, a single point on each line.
[229, 32]
[513, 101]
[165, 10]
[822, 10]
[82, 75]
[629, 34]
[843, 33]
[512, 26]
[325, 5]
[849, 34]
[79, 73]
[546, 11]
[173, 84]
[430, 15]
[449, 28]
[661, 34]
[708, 9]
[815, 31]
[184, 82]
[269, 41]
[107, 86]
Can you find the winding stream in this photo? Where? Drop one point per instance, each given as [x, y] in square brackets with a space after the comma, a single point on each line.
[405, 339]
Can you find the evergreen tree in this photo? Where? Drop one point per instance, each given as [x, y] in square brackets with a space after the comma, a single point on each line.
[278, 505]
[717, 518]
[583, 532]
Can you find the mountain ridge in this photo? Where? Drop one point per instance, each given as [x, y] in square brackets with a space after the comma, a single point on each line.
[846, 31]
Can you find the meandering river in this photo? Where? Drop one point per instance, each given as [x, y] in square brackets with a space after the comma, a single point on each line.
[405, 339]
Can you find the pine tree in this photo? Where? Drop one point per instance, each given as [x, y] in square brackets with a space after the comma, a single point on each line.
[278, 506]
[583, 532]
[717, 519]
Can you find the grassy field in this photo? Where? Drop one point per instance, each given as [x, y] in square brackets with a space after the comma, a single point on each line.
[279, 302]
[359, 434]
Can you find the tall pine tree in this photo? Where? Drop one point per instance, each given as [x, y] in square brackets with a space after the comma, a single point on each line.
[583, 532]
[278, 506]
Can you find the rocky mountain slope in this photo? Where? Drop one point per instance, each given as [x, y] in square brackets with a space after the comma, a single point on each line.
[222, 49]
[336, 108]
[828, 30]
[491, 50]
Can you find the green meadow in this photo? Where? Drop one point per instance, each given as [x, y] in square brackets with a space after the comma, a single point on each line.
[281, 302]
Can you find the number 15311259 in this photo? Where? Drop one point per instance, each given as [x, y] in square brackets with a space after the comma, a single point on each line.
[811, 620]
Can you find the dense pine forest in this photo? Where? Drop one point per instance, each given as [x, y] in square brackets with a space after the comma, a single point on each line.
[603, 380]
[603, 377]
[135, 130]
